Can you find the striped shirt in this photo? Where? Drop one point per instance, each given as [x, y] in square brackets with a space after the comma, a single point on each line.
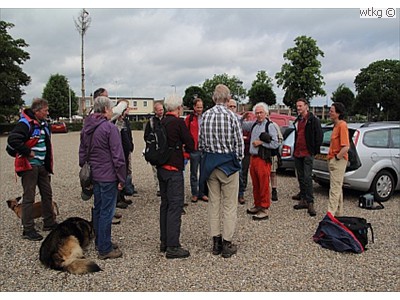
[221, 132]
[40, 150]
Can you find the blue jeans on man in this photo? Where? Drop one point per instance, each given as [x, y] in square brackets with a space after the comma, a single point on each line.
[105, 199]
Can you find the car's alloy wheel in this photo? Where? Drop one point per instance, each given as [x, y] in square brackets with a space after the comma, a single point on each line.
[383, 186]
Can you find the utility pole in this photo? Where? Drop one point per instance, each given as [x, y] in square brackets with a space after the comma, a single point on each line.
[82, 25]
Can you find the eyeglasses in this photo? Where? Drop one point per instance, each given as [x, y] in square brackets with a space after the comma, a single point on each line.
[232, 106]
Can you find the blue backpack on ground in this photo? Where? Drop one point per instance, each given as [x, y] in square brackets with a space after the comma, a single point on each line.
[343, 234]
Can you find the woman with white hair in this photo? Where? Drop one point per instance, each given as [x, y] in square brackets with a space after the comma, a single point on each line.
[107, 161]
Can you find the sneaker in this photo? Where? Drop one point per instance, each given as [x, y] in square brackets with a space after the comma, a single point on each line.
[183, 211]
[261, 215]
[115, 253]
[158, 194]
[253, 210]
[194, 199]
[32, 235]
[177, 252]
[228, 249]
[115, 221]
[50, 227]
[241, 201]
[274, 196]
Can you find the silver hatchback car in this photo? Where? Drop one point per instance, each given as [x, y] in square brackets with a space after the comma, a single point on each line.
[374, 159]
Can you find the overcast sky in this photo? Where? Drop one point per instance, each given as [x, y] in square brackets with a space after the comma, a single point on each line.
[150, 52]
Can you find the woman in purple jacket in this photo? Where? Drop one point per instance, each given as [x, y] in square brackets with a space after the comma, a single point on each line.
[108, 166]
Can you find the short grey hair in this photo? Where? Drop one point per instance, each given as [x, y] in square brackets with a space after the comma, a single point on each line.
[263, 105]
[173, 102]
[38, 104]
[100, 104]
[221, 94]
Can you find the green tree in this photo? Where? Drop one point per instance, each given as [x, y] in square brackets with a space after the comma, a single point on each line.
[57, 93]
[378, 88]
[345, 95]
[194, 92]
[233, 83]
[261, 90]
[12, 78]
[301, 75]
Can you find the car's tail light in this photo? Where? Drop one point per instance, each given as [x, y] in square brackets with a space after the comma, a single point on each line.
[356, 136]
[286, 151]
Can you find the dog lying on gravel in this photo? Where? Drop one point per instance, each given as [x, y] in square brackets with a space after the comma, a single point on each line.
[62, 248]
[16, 206]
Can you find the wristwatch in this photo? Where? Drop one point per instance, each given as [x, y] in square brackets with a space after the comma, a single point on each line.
[337, 158]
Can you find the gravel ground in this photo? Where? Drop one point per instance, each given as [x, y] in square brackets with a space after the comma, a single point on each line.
[276, 255]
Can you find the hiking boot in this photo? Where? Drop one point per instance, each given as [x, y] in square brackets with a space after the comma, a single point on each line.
[177, 252]
[50, 227]
[122, 205]
[241, 200]
[253, 210]
[296, 197]
[115, 253]
[311, 211]
[261, 215]
[302, 205]
[217, 245]
[32, 235]
[274, 196]
[228, 249]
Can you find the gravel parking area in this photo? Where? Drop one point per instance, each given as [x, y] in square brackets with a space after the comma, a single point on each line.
[275, 255]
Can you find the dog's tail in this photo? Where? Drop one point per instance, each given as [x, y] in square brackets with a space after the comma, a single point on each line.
[82, 266]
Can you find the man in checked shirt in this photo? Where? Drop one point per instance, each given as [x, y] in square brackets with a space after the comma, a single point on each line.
[221, 141]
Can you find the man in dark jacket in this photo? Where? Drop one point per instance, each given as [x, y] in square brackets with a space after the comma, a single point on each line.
[170, 176]
[308, 139]
[30, 139]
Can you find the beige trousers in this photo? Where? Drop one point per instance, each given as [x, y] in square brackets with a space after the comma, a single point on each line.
[336, 172]
[222, 203]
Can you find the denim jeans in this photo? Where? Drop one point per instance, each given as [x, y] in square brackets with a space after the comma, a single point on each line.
[304, 167]
[195, 158]
[105, 198]
[172, 198]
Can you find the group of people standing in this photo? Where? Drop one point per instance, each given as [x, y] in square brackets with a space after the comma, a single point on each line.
[216, 142]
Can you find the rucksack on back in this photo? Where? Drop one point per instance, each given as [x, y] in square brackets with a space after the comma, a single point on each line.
[157, 152]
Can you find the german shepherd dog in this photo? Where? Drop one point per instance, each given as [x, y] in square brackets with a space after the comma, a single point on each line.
[16, 206]
[62, 248]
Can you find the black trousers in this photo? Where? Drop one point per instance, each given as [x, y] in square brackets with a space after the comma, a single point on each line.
[172, 199]
[304, 167]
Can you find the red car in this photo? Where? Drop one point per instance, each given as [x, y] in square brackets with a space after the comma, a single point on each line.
[59, 127]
